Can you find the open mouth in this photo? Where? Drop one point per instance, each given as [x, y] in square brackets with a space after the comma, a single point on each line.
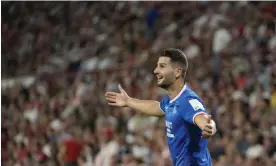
[159, 78]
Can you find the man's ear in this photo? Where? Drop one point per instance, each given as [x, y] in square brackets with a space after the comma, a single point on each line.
[178, 72]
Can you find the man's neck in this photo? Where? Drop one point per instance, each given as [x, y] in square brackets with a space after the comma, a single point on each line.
[175, 89]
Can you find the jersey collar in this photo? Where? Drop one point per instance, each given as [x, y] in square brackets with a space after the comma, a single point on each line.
[179, 94]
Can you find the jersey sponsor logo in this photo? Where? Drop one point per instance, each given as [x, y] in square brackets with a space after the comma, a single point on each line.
[169, 124]
[170, 135]
[197, 105]
[169, 129]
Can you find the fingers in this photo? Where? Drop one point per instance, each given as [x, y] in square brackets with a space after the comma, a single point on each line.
[120, 88]
[209, 117]
[209, 126]
[111, 94]
[112, 104]
[207, 130]
[206, 135]
[110, 99]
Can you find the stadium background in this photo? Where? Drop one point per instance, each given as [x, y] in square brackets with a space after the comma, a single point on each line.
[59, 58]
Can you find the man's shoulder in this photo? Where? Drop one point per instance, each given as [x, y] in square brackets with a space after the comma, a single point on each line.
[191, 98]
[188, 95]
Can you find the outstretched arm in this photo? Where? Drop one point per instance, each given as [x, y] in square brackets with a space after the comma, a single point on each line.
[148, 107]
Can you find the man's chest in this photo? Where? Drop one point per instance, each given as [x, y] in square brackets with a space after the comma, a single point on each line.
[172, 112]
[174, 120]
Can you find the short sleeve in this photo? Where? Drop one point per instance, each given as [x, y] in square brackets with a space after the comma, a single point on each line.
[191, 108]
[163, 103]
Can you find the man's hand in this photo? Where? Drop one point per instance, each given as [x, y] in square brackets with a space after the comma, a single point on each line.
[117, 99]
[209, 129]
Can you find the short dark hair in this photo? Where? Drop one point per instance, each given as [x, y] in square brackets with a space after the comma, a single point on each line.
[176, 56]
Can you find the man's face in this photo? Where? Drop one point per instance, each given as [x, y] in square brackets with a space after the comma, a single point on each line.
[165, 72]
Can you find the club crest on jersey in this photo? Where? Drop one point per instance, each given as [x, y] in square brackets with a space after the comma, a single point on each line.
[174, 110]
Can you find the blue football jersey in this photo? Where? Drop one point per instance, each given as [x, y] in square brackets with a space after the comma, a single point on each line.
[186, 146]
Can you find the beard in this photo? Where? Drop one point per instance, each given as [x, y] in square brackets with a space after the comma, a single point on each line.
[164, 85]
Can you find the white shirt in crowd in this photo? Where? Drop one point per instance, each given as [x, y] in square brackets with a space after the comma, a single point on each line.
[222, 37]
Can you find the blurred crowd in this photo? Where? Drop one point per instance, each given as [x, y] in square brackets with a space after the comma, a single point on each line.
[59, 58]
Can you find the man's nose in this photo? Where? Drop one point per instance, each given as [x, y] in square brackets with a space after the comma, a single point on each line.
[155, 71]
